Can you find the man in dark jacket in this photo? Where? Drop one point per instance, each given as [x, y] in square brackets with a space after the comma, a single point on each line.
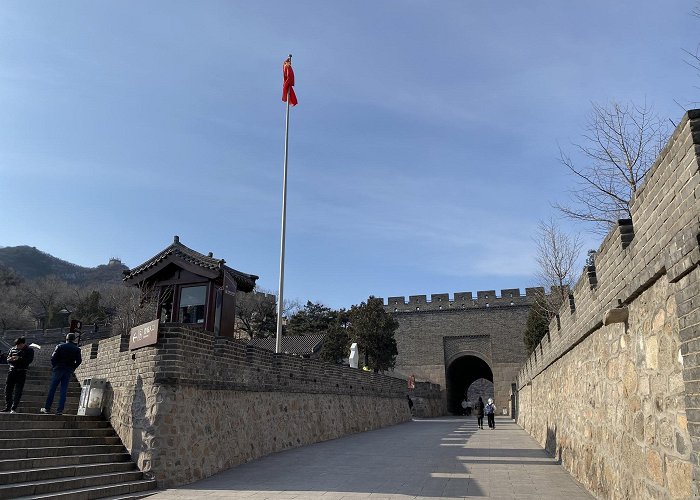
[64, 360]
[19, 358]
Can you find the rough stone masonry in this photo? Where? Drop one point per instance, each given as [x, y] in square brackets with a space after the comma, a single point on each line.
[194, 404]
[619, 404]
[463, 342]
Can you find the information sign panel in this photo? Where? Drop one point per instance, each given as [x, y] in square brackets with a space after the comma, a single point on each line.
[143, 335]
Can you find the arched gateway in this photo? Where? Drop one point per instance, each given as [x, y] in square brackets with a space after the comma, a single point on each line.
[463, 343]
[461, 375]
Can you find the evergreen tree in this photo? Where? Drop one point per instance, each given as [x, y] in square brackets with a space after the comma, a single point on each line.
[537, 326]
[89, 309]
[373, 330]
[312, 319]
[336, 344]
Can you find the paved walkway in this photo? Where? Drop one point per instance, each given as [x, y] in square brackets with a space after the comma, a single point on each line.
[436, 458]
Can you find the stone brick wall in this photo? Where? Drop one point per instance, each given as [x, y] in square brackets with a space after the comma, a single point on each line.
[193, 404]
[620, 404]
[433, 334]
[427, 400]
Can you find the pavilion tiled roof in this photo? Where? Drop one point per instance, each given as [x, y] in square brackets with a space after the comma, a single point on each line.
[244, 282]
[292, 344]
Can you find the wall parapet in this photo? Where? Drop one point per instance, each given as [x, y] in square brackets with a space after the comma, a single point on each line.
[666, 224]
[462, 300]
[616, 382]
[193, 404]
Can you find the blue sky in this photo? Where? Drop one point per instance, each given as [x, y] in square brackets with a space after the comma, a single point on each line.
[422, 153]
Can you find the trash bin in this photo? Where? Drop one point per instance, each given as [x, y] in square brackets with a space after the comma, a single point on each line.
[91, 397]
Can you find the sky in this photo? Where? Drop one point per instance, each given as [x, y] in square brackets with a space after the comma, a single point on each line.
[422, 154]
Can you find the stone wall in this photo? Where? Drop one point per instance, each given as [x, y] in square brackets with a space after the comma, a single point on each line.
[193, 404]
[482, 388]
[433, 335]
[427, 400]
[620, 404]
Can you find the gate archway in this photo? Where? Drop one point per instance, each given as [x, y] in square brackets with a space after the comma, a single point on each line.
[460, 374]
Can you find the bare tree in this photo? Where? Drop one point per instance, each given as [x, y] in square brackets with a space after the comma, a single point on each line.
[693, 57]
[619, 147]
[557, 258]
[47, 296]
[256, 313]
[557, 255]
[129, 306]
[14, 308]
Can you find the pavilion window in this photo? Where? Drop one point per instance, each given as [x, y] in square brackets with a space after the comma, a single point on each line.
[192, 304]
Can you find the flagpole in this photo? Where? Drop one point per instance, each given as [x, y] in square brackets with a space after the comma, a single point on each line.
[280, 297]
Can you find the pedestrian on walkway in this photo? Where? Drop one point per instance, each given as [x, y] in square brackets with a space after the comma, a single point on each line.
[491, 414]
[480, 413]
[19, 358]
[64, 360]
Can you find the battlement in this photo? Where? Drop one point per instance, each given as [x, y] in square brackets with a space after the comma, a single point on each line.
[629, 328]
[462, 300]
[661, 238]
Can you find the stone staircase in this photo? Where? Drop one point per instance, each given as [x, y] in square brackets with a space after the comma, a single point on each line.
[68, 456]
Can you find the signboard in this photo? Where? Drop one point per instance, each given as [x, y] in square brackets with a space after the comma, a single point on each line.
[143, 335]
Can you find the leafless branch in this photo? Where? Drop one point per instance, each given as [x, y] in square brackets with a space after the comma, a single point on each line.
[557, 257]
[619, 146]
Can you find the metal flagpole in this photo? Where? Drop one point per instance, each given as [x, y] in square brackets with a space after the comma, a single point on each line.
[280, 297]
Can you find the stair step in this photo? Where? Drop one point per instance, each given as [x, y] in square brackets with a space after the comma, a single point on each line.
[60, 450]
[42, 474]
[35, 408]
[66, 457]
[121, 490]
[41, 396]
[53, 422]
[42, 416]
[62, 484]
[136, 496]
[55, 433]
[40, 390]
[50, 442]
[47, 462]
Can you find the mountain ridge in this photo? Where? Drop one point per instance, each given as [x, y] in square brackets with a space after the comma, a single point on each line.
[31, 263]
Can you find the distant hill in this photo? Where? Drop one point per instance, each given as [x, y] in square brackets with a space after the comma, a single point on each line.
[30, 263]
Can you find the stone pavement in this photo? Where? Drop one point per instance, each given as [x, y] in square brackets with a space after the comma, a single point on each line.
[433, 458]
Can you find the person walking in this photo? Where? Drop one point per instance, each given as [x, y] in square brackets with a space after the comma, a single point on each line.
[480, 413]
[19, 358]
[64, 360]
[490, 414]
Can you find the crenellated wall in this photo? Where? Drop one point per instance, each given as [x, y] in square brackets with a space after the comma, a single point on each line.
[620, 403]
[193, 404]
[462, 300]
[439, 340]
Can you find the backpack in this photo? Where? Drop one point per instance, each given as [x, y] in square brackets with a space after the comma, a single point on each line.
[490, 409]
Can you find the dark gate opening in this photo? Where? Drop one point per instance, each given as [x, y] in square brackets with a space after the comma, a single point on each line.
[461, 373]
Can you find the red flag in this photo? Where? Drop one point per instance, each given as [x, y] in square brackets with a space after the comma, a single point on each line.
[288, 85]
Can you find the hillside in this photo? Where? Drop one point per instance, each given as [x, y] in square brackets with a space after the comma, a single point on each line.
[31, 263]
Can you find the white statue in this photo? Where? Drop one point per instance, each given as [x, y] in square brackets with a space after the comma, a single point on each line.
[354, 356]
